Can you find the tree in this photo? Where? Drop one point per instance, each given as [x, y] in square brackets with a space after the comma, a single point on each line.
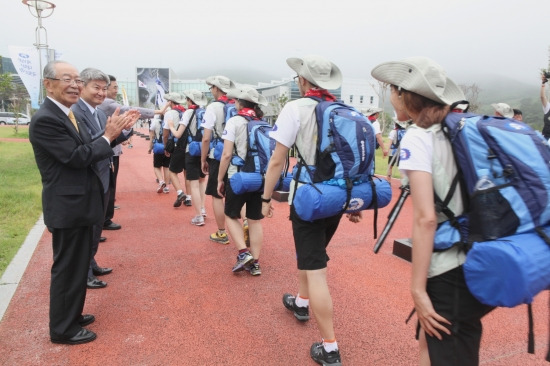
[277, 106]
[6, 90]
[381, 90]
[471, 93]
[19, 99]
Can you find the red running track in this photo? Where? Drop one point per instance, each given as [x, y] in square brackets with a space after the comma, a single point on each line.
[173, 300]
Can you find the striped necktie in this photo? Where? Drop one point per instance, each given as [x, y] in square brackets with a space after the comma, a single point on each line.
[73, 120]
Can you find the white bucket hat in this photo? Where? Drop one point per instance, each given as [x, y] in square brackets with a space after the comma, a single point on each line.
[504, 109]
[317, 70]
[196, 96]
[370, 111]
[247, 93]
[422, 76]
[221, 82]
[174, 97]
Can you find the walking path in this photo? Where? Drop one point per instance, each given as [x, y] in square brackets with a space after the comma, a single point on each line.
[172, 299]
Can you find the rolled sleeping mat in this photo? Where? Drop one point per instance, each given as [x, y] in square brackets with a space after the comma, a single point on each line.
[508, 271]
[242, 182]
[246, 182]
[317, 201]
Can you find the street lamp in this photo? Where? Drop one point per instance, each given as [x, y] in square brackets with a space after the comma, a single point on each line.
[40, 9]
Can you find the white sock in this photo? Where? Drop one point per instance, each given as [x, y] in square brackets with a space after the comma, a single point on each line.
[301, 302]
[179, 191]
[330, 346]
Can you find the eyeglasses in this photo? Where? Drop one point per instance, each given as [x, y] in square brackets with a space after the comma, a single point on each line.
[211, 87]
[296, 78]
[69, 81]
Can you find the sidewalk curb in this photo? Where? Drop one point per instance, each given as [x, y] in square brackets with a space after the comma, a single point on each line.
[11, 277]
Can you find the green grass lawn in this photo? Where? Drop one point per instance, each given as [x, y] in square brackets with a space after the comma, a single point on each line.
[20, 193]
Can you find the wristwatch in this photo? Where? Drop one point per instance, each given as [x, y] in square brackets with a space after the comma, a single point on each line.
[266, 200]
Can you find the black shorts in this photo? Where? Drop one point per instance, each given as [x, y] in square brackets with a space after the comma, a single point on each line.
[212, 183]
[161, 160]
[235, 202]
[193, 169]
[311, 240]
[396, 162]
[177, 160]
[452, 300]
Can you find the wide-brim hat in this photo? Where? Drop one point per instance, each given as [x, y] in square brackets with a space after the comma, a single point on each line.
[174, 97]
[221, 82]
[370, 111]
[247, 93]
[422, 76]
[196, 96]
[317, 70]
[504, 109]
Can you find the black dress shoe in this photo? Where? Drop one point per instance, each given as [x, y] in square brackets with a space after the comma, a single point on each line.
[86, 319]
[93, 282]
[83, 336]
[100, 271]
[111, 226]
[102, 239]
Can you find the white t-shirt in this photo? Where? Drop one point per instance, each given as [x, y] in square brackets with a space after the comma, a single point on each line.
[213, 119]
[236, 131]
[376, 126]
[428, 150]
[391, 137]
[156, 126]
[546, 108]
[172, 115]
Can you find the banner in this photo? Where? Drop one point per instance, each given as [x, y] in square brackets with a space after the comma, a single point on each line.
[152, 84]
[26, 62]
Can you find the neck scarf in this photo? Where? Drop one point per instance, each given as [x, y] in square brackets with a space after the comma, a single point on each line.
[249, 112]
[192, 106]
[225, 99]
[320, 93]
[179, 108]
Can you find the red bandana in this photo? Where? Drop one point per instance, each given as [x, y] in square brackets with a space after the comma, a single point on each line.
[249, 112]
[192, 106]
[372, 118]
[179, 108]
[320, 93]
[225, 99]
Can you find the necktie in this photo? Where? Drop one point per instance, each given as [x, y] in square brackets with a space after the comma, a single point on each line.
[73, 120]
[97, 121]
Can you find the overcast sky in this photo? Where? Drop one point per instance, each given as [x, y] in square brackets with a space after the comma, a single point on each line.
[200, 38]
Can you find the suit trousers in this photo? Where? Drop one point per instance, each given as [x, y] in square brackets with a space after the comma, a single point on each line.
[71, 258]
[97, 229]
[112, 188]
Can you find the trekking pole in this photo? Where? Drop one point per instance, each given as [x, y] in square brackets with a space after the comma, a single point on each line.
[405, 192]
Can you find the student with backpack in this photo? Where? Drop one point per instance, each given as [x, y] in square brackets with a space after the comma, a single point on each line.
[214, 124]
[177, 156]
[297, 125]
[191, 121]
[161, 162]
[395, 136]
[449, 315]
[235, 150]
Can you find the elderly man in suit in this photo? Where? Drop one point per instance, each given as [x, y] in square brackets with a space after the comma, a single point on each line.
[86, 112]
[72, 195]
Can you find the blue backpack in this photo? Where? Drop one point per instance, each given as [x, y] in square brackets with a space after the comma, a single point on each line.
[505, 229]
[229, 110]
[194, 138]
[344, 159]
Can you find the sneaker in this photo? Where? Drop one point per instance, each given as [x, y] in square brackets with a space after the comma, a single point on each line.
[242, 260]
[198, 220]
[203, 212]
[161, 187]
[179, 199]
[322, 357]
[254, 269]
[187, 201]
[289, 301]
[219, 237]
[246, 236]
[166, 190]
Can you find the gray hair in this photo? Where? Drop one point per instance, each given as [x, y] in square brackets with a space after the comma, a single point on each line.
[89, 74]
[49, 69]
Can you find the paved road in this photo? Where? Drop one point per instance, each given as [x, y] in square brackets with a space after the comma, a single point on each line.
[172, 299]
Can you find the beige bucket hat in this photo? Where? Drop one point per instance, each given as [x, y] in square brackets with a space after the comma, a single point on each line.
[222, 82]
[247, 93]
[317, 70]
[196, 96]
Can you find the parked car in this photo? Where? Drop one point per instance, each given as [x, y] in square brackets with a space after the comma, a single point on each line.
[8, 118]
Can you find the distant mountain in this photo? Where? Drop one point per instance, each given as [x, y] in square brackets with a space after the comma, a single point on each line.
[245, 76]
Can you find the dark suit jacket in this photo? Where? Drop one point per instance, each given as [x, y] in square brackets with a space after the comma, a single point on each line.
[72, 195]
[85, 117]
